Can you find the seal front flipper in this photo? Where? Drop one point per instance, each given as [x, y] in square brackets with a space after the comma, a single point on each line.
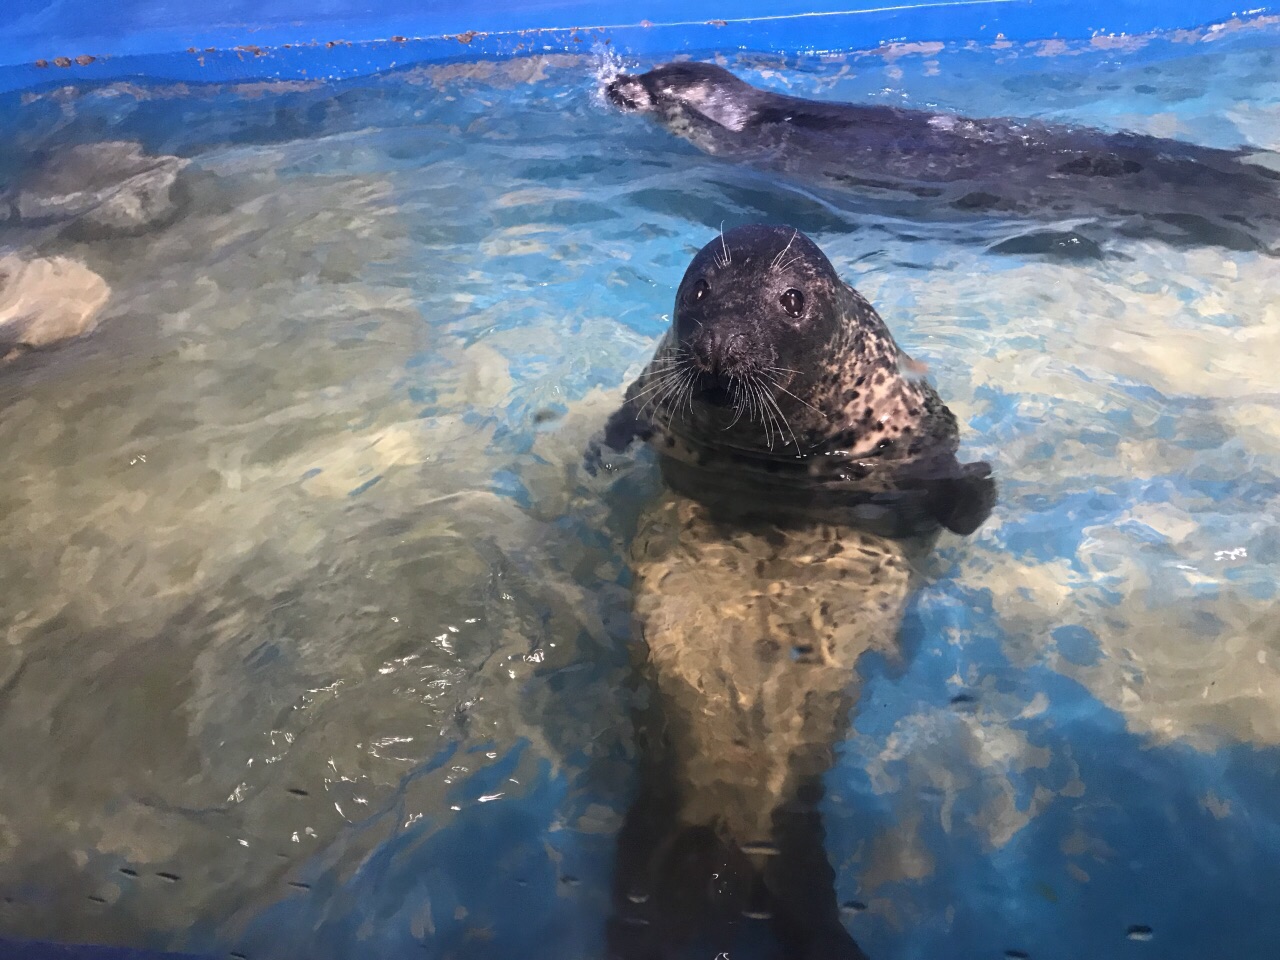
[624, 426]
[942, 491]
[962, 502]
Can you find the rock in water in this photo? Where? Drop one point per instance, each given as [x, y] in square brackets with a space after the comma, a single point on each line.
[105, 189]
[46, 301]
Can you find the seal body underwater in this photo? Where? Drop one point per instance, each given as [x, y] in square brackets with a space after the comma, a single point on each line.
[807, 471]
[944, 164]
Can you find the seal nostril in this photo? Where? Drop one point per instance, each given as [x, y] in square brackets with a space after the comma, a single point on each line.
[705, 351]
[733, 354]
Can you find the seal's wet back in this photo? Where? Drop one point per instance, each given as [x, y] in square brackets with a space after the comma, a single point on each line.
[807, 473]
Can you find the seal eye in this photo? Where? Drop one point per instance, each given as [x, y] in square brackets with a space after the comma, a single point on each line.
[793, 302]
[700, 290]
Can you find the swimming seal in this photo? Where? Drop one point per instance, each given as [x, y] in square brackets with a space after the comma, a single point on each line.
[808, 469]
[941, 163]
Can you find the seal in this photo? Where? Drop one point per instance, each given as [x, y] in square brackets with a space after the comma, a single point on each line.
[941, 164]
[809, 467]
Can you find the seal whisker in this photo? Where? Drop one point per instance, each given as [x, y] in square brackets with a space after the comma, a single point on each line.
[798, 400]
[687, 388]
[771, 414]
[649, 391]
[768, 404]
[764, 425]
[781, 389]
[783, 253]
[766, 415]
[665, 369]
[658, 390]
[728, 258]
[678, 386]
[785, 423]
[673, 388]
[736, 394]
[658, 381]
[749, 398]
[660, 401]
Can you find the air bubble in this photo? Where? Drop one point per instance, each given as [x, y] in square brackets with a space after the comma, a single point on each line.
[1140, 932]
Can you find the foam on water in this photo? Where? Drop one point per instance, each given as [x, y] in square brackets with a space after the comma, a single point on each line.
[315, 635]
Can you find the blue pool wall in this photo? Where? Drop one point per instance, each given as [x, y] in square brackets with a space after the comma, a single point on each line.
[332, 39]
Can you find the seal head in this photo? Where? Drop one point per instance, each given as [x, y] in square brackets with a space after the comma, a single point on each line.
[755, 322]
[779, 385]
[675, 89]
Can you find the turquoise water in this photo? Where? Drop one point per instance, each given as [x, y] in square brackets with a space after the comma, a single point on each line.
[315, 635]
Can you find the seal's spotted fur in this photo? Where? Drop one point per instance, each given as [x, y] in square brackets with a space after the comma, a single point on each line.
[755, 592]
[822, 417]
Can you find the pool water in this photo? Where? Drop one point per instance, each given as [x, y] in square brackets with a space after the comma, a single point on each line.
[315, 634]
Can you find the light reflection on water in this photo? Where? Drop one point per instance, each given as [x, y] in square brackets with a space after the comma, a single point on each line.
[315, 635]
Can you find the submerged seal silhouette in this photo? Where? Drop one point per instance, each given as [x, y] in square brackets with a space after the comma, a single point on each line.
[794, 437]
[934, 162]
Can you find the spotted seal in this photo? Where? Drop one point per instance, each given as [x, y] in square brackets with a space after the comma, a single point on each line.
[808, 468]
[922, 162]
